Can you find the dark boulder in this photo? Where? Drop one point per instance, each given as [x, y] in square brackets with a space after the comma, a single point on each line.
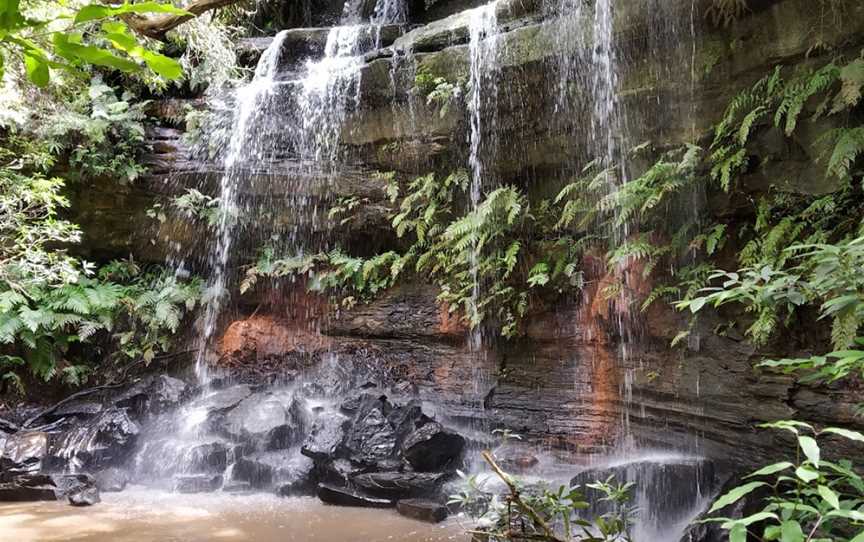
[352, 404]
[210, 457]
[285, 470]
[237, 487]
[84, 497]
[81, 409]
[78, 489]
[112, 480]
[197, 483]
[325, 435]
[152, 394]
[400, 484]
[222, 400]
[341, 496]
[70, 483]
[251, 470]
[431, 447]
[106, 440]
[29, 487]
[405, 418]
[22, 453]
[422, 510]
[8, 427]
[371, 436]
[266, 420]
[337, 471]
[405, 388]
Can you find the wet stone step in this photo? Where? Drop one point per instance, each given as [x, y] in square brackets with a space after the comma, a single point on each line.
[422, 510]
[341, 496]
[197, 483]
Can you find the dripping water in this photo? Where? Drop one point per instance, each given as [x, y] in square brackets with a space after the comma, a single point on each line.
[482, 111]
[244, 145]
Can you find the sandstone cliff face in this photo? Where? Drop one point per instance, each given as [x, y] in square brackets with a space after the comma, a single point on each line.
[573, 381]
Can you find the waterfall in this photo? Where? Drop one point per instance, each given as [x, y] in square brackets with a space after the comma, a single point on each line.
[244, 145]
[318, 103]
[482, 94]
[482, 106]
[482, 142]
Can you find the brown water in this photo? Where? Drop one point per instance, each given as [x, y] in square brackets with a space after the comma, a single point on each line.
[144, 516]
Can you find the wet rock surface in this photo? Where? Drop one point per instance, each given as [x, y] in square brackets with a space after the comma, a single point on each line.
[23, 453]
[287, 439]
[32, 487]
[197, 483]
[431, 447]
[346, 497]
[422, 510]
[112, 480]
[400, 484]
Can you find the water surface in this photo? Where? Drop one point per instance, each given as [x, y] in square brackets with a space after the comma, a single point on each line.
[144, 516]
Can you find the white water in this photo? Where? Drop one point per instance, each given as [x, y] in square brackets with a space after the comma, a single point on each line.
[482, 141]
[244, 146]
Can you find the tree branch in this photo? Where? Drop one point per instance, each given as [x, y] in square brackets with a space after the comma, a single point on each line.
[549, 534]
[156, 26]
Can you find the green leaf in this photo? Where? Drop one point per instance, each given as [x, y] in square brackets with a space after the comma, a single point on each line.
[806, 473]
[810, 448]
[124, 41]
[75, 52]
[846, 433]
[738, 533]
[771, 469]
[37, 70]
[749, 520]
[162, 65]
[94, 12]
[697, 304]
[829, 496]
[735, 495]
[787, 425]
[790, 531]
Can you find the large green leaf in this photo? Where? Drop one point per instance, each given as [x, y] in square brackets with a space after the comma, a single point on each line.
[846, 433]
[94, 12]
[120, 38]
[738, 533]
[772, 469]
[734, 495]
[75, 52]
[37, 70]
[829, 496]
[790, 531]
[10, 15]
[810, 448]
